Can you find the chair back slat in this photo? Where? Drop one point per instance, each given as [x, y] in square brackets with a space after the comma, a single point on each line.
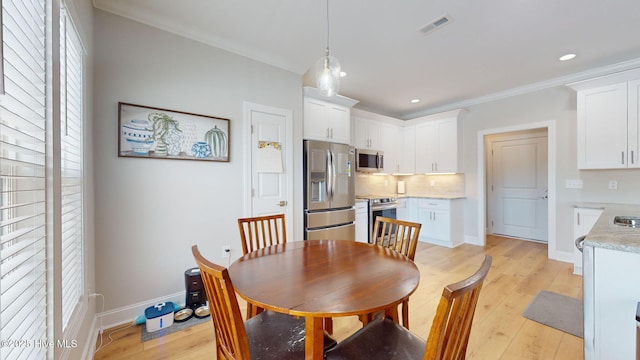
[231, 336]
[401, 236]
[451, 325]
[261, 231]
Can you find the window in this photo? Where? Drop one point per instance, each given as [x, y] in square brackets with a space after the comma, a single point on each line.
[23, 239]
[27, 175]
[71, 112]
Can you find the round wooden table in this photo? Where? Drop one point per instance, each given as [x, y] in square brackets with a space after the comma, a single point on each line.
[324, 278]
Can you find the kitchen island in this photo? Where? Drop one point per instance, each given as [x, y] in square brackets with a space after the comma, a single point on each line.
[611, 285]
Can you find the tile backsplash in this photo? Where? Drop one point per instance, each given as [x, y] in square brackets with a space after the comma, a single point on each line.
[414, 184]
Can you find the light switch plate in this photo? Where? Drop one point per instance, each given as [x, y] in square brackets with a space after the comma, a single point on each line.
[573, 184]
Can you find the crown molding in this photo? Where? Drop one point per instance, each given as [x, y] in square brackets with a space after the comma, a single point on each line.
[560, 81]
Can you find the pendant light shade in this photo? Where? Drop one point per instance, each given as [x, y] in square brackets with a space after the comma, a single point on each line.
[328, 75]
[328, 69]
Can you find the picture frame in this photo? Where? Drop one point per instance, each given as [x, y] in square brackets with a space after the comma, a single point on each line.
[156, 133]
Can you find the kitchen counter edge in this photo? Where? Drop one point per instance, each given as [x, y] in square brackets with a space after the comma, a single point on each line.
[605, 234]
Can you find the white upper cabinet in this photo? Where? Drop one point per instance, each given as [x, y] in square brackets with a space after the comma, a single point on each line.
[390, 139]
[607, 125]
[327, 118]
[437, 149]
[408, 150]
[424, 145]
[366, 134]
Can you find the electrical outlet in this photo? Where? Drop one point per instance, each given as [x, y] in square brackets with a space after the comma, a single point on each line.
[613, 185]
[226, 251]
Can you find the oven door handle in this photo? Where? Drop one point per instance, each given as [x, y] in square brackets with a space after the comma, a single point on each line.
[384, 207]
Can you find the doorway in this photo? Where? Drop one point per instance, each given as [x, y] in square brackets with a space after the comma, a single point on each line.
[517, 191]
[268, 161]
[551, 181]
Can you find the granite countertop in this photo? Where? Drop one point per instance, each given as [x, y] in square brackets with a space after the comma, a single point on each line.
[605, 234]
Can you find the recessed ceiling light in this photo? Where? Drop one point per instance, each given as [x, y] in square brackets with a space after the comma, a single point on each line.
[415, 101]
[343, 74]
[567, 57]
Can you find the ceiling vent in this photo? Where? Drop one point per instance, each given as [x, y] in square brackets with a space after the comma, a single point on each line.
[435, 24]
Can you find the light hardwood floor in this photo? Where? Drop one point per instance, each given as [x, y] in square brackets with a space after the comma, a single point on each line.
[520, 269]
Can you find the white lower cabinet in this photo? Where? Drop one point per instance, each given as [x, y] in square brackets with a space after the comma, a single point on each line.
[362, 221]
[407, 209]
[441, 219]
[611, 294]
[583, 221]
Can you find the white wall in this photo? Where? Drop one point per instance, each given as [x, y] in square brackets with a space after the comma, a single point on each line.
[555, 104]
[149, 212]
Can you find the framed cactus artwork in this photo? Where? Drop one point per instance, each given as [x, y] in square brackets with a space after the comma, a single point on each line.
[155, 133]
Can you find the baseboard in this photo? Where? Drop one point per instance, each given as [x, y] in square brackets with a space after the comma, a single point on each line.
[472, 240]
[126, 314]
[577, 270]
[563, 256]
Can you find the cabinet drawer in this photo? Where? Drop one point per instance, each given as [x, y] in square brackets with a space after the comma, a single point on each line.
[361, 207]
[434, 204]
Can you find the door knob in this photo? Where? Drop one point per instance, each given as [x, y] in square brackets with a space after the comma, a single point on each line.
[282, 203]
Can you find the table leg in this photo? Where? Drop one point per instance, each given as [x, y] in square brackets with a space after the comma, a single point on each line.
[314, 340]
[392, 313]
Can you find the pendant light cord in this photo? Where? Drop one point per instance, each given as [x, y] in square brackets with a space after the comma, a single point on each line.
[327, 27]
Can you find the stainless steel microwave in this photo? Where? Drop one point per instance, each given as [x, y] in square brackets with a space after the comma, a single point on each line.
[368, 160]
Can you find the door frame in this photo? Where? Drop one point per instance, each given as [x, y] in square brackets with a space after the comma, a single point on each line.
[552, 252]
[490, 141]
[248, 107]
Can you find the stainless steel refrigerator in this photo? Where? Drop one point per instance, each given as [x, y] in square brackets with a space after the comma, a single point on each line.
[329, 191]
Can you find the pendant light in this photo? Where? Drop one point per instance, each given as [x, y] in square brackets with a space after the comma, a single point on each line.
[328, 69]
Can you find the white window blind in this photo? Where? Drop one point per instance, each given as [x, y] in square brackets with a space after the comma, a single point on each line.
[71, 92]
[23, 242]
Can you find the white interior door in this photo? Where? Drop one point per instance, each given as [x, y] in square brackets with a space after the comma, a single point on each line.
[518, 187]
[271, 160]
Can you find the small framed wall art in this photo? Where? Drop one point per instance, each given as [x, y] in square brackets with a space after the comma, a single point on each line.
[155, 133]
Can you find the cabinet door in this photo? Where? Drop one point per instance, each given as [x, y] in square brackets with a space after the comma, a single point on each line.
[407, 210]
[389, 145]
[602, 127]
[408, 147]
[583, 221]
[425, 147]
[374, 133]
[362, 222]
[447, 146]
[613, 310]
[315, 122]
[360, 133]
[633, 123]
[338, 122]
[440, 223]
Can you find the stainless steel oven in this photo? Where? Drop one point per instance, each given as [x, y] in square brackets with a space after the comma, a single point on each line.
[381, 206]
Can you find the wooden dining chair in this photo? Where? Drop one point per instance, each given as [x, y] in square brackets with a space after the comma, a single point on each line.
[448, 338]
[268, 335]
[401, 236]
[259, 232]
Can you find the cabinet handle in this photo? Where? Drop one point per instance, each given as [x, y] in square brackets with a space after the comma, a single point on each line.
[328, 132]
[578, 219]
[332, 133]
[632, 161]
[622, 153]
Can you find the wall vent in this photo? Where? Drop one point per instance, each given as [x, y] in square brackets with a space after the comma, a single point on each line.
[435, 24]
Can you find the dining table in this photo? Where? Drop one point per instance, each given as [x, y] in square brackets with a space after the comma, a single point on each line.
[318, 279]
